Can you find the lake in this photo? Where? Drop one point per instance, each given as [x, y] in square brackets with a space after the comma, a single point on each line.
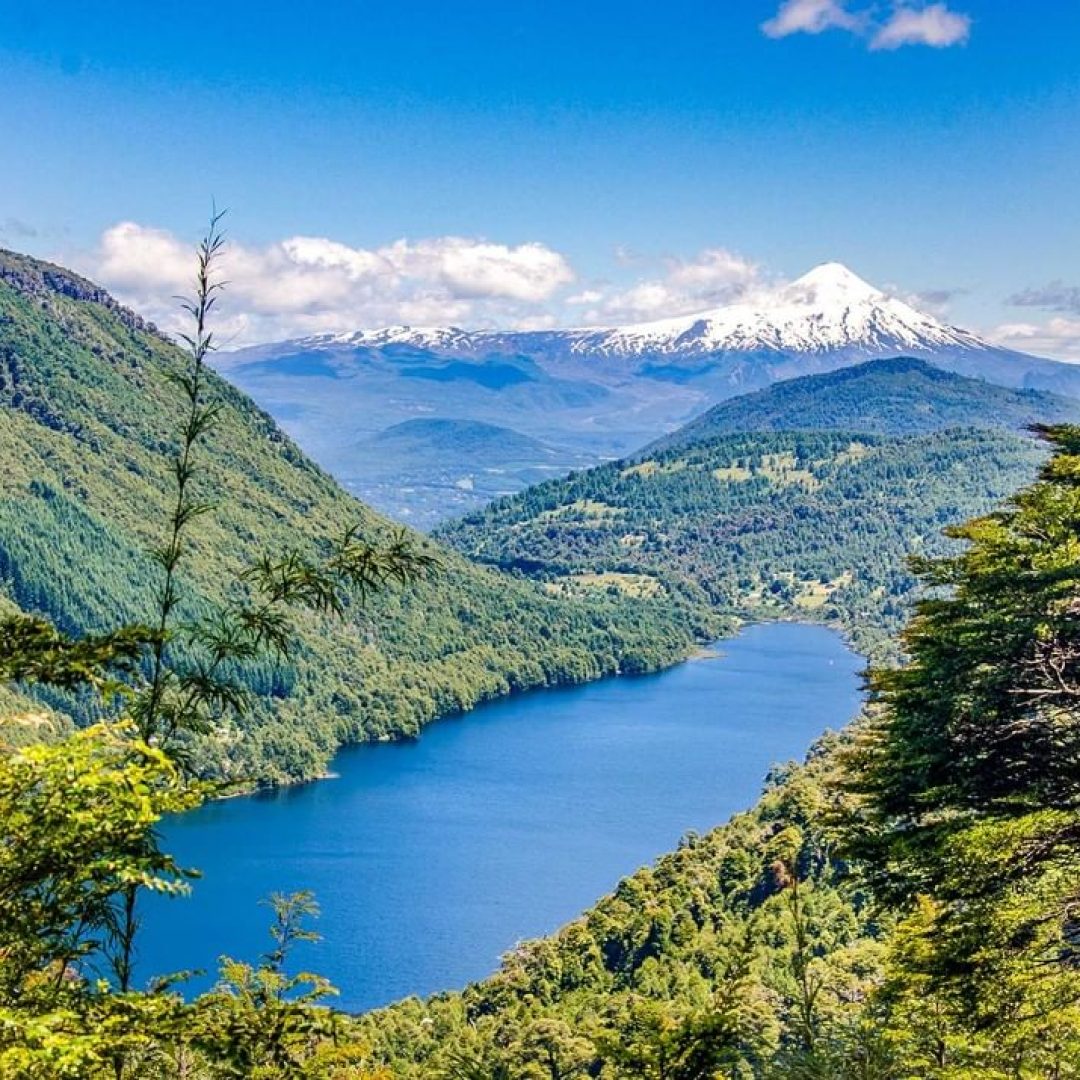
[432, 858]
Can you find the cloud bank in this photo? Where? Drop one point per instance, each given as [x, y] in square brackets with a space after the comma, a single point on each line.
[1058, 338]
[714, 277]
[934, 25]
[306, 284]
[310, 285]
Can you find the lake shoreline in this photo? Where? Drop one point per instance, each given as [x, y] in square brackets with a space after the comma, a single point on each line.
[703, 651]
[504, 826]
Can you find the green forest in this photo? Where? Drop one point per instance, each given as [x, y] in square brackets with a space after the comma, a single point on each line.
[896, 396]
[810, 525]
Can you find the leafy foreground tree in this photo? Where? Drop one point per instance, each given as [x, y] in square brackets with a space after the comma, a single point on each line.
[969, 780]
[78, 844]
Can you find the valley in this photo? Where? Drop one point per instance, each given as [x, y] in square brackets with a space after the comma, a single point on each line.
[582, 395]
[799, 503]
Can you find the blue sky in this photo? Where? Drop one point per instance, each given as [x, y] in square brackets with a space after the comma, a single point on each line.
[522, 163]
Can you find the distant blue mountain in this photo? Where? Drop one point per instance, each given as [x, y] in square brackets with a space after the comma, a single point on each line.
[597, 392]
[899, 396]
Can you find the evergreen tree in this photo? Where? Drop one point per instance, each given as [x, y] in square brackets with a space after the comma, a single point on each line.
[969, 773]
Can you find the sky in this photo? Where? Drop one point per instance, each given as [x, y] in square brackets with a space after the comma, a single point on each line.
[533, 164]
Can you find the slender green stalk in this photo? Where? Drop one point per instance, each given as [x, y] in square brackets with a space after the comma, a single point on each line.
[149, 712]
[199, 417]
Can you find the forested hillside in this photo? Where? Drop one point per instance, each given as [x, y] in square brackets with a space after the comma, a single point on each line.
[900, 396]
[814, 525]
[89, 414]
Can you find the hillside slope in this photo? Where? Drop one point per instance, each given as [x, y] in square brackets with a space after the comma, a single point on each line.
[88, 417]
[812, 525]
[896, 396]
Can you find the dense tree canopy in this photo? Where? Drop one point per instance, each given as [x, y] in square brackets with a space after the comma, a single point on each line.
[813, 525]
[970, 772]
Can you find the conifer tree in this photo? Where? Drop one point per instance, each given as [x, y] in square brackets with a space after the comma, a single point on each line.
[969, 773]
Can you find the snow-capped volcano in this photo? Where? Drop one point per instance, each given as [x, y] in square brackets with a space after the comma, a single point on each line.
[828, 310]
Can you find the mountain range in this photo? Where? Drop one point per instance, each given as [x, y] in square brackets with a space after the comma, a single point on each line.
[586, 394]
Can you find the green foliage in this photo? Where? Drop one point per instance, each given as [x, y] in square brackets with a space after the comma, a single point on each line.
[77, 832]
[260, 1021]
[968, 775]
[32, 650]
[75, 856]
[77, 820]
[901, 907]
[946, 950]
[982, 720]
[805, 525]
[896, 396]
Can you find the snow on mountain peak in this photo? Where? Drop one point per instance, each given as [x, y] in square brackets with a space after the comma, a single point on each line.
[833, 280]
[830, 309]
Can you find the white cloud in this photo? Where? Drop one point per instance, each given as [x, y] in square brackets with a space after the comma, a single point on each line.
[934, 25]
[713, 277]
[471, 268]
[908, 23]
[1059, 338]
[712, 272]
[810, 17]
[586, 296]
[307, 284]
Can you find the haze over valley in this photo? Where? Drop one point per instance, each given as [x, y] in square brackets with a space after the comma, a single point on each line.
[430, 423]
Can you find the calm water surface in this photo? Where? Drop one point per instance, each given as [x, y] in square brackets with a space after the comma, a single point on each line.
[431, 858]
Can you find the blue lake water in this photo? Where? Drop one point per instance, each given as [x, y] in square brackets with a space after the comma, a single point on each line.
[432, 858]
